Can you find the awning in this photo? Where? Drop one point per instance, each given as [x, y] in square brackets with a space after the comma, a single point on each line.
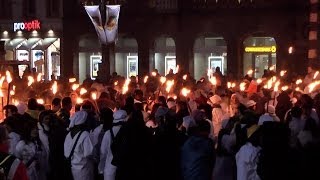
[29, 44]
[14, 43]
[44, 44]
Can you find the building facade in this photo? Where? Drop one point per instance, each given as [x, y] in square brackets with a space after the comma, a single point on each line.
[197, 35]
[31, 31]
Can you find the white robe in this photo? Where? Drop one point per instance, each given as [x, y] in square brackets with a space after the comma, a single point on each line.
[81, 161]
[14, 138]
[246, 159]
[217, 117]
[25, 152]
[106, 156]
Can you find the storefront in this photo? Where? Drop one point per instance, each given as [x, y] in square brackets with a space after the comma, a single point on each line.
[40, 46]
[209, 53]
[259, 55]
[165, 55]
[126, 57]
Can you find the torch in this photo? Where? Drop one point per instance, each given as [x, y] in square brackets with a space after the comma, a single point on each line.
[9, 80]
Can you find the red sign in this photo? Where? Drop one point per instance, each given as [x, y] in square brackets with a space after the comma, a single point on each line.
[29, 26]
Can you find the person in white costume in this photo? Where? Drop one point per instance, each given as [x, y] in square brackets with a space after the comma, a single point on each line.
[81, 161]
[106, 156]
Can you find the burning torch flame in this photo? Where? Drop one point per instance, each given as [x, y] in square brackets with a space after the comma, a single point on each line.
[284, 88]
[299, 81]
[233, 85]
[39, 77]
[185, 92]
[115, 83]
[94, 96]
[12, 92]
[75, 87]
[276, 86]
[1, 80]
[185, 77]
[154, 74]
[145, 80]
[30, 80]
[83, 91]
[125, 87]
[163, 79]
[55, 87]
[79, 100]
[283, 72]
[177, 69]
[250, 72]
[213, 80]
[315, 74]
[72, 80]
[169, 85]
[40, 101]
[272, 68]
[311, 86]
[8, 77]
[1, 94]
[242, 86]
[259, 81]
[229, 85]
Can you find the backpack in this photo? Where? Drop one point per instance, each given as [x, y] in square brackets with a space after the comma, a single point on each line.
[8, 166]
[118, 143]
[68, 171]
[96, 149]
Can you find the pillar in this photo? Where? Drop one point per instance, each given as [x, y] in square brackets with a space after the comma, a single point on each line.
[313, 31]
[234, 57]
[184, 53]
[145, 56]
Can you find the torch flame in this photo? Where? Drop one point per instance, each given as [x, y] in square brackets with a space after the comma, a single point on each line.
[299, 81]
[284, 88]
[1, 94]
[250, 72]
[185, 77]
[145, 80]
[94, 96]
[276, 86]
[39, 77]
[1, 80]
[125, 87]
[213, 80]
[177, 69]
[75, 87]
[233, 85]
[154, 74]
[259, 81]
[272, 68]
[83, 91]
[163, 79]
[72, 80]
[8, 77]
[242, 86]
[311, 86]
[185, 92]
[315, 74]
[55, 87]
[40, 101]
[169, 85]
[30, 80]
[12, 92]
[229, 85]
[79, 100]
[283, 72]
[116, 83]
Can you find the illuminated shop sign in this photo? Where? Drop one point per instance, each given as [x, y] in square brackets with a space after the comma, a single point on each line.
[28, 26]
[261, 49]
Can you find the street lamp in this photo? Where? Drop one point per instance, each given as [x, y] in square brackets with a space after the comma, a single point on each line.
[105, 20]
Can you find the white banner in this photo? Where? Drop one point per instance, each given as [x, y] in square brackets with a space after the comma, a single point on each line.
[108, 32]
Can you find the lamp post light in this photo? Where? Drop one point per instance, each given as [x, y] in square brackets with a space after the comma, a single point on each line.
[105, 20]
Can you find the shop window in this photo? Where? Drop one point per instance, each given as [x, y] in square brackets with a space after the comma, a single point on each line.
[165, 55]
[126, 57]
[259, 55]
[53, 8]
[209, 53]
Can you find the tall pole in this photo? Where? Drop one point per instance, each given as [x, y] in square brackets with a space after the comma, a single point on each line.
[105, 65]
[313, 32]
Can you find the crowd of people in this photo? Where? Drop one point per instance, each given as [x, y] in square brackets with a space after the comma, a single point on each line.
[212, 132]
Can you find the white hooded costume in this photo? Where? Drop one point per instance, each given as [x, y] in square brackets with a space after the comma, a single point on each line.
[81, 162]
[106, 156]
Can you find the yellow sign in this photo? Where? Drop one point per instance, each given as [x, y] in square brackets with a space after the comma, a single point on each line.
[272, 49]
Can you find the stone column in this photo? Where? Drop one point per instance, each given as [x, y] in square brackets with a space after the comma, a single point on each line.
[234, 56]
[145, 55]
[184, 53]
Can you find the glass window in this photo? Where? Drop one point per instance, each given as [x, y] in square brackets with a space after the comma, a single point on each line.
[209, 53]
[259, 55]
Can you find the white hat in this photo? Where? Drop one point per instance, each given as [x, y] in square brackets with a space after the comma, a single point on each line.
[215, 99]
[264, 118]
[120, 115]
[250, 103]
[78, 118]
[271, 109]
